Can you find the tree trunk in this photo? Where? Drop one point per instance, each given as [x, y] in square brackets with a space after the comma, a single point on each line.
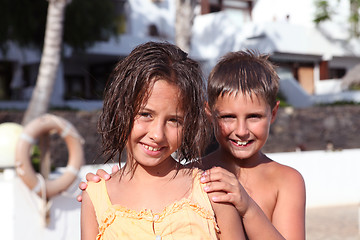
[50, 60]
[183, 25]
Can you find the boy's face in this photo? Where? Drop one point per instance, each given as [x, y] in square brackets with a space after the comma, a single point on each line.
[242, 123]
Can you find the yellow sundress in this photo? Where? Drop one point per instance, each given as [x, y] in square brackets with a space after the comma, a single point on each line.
[189, 218]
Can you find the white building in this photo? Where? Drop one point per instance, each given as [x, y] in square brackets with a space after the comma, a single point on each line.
[307, 56]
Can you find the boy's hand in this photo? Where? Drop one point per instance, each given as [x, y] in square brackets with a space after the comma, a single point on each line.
[100, 173]
[228, 188]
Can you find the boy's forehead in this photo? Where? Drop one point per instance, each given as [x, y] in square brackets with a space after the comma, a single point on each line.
[243, 97]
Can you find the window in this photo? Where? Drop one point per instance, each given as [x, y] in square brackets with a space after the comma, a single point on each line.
[337, 73]
[99, 74]
[75, 87]
[5, 80]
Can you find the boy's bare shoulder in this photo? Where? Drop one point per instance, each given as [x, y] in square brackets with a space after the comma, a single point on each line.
[284, 175]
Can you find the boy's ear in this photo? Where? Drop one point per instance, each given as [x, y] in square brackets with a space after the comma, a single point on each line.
[274, 111]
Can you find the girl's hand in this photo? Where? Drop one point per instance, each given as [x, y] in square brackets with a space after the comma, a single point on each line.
[100, 173]
[227, 188]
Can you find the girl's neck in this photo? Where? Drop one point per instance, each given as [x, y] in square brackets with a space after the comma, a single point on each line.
[147, 188]
[165, 170]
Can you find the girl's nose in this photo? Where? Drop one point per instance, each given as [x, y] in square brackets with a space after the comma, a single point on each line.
[156, 131]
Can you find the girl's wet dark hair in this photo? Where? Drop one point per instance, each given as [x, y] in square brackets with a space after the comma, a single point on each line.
[130, 84]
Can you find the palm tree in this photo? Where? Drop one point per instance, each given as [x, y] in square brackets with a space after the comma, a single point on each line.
[184, 21]
[325, 12]
[50, 60]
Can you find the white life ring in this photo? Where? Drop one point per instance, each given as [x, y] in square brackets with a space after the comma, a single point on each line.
[49, 123]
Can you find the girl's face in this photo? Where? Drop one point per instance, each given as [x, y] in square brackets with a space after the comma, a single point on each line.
[242, 124]
[157, 130]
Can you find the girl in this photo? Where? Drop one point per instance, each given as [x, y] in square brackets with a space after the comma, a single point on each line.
[154, 106]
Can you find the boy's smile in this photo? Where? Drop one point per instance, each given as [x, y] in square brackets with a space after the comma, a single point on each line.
[242, 123]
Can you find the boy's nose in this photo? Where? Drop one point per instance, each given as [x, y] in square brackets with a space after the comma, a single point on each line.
[241, 129]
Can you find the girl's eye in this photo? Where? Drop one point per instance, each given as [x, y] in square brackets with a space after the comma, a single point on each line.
[144, 114]
[175, 121]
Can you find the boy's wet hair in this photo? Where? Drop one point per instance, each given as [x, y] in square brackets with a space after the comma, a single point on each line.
[130, 85]
[245, 72]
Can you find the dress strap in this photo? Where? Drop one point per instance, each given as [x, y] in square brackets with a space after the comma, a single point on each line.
[198, 194]
[201, 198]
[99, 197]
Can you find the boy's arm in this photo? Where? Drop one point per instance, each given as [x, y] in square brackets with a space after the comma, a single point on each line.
[100, 174]
[225, 187]
[289, 213]
[89, 225]
[228, 220]
[258, 226]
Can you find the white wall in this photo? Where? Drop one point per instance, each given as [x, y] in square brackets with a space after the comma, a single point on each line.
[331, 178]
[21, 214]
[300, 12]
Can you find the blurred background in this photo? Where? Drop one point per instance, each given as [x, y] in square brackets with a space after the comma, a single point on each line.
[56, 56]
[315, 45]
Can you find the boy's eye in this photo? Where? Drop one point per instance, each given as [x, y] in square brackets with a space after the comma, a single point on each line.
[228, 116]
[255, 116]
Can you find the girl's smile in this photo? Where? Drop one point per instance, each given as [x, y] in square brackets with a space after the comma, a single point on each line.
[157, 130]
[152, 149]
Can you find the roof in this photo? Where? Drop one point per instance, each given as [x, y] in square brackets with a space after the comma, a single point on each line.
[216, 34]
[285, 37]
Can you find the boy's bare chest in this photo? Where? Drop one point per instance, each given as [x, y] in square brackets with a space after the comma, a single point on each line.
[263, 191]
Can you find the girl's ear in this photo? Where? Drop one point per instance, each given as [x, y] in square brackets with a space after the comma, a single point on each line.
[274, 111]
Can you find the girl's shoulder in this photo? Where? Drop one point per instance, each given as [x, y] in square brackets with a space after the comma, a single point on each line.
[198, 194]
[98, 195]
[189, 172]
[95, 187]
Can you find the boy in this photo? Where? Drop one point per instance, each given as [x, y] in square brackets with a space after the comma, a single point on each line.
[242, 90]
[270, 197]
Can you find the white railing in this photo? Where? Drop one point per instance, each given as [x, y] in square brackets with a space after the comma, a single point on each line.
[330, 92]
[328, 86]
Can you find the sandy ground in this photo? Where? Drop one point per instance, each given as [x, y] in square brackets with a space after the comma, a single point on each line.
[333, 223]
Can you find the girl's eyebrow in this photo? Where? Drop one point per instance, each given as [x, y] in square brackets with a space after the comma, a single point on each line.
[177, 116]
[144, 109]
